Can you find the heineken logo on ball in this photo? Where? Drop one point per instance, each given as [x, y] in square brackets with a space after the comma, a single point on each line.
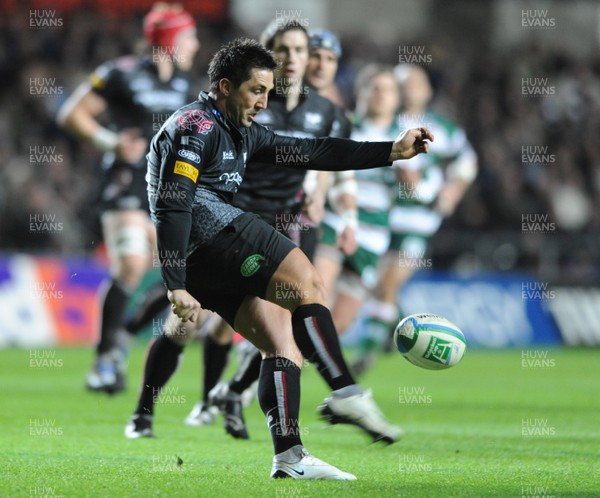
[438, 350]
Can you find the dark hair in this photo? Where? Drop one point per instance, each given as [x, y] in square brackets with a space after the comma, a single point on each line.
[279, 26]
[236, 60]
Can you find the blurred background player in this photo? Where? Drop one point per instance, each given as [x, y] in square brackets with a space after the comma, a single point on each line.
[350, 278]
[128, 94]
[339, 186]
[427, 191]
[325, 53]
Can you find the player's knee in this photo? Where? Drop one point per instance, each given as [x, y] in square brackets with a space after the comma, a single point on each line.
[179, 332]
[317, 292]
[222, 334]
[129, 252]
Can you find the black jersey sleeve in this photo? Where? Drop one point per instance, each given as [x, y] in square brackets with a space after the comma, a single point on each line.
[179, 175]
[325, 154]
[108, 80]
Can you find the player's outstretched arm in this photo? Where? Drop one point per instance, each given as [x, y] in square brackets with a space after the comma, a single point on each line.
[335, 154]
[410, 143]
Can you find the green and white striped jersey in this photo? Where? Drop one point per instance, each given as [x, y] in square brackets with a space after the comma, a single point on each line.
[450, 157]
[373, 193]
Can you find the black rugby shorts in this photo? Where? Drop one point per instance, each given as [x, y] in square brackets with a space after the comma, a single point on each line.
[238, 262]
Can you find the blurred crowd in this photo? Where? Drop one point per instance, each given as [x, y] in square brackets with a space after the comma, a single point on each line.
[536, 139]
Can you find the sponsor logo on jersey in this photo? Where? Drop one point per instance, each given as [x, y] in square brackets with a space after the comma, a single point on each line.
[141, 84]
[227, 154]
[188, 154]
[196, 120]
[187, 170]
[97, 81]
[193, 143]
[251, 265]
[231, 177]
[159, 99]
[312, 120]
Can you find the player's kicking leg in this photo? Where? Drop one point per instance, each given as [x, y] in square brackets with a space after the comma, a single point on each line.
[336, 409]
[313, 330]
[315, 334]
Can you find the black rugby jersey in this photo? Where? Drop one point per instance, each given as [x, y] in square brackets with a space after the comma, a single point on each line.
[136, 97]
[197, 163]
[269, 188]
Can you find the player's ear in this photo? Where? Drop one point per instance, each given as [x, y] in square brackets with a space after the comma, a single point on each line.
[225, 87]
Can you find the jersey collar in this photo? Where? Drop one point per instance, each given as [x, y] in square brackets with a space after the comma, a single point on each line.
[211, 103]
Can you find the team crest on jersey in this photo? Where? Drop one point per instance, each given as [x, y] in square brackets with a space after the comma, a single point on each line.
[196, 120]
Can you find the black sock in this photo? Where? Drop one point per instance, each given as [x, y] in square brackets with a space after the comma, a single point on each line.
[215, 361]
[279, 398]
[161, 362]
[154, 301]
[247, 373]
[315, 335]
[113, 311]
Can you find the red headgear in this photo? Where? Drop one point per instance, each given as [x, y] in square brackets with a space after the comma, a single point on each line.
[162, 25]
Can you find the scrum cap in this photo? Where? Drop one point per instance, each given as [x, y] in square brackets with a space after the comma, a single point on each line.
[164, 22]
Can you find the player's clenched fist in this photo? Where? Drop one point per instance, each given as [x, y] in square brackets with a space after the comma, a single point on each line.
[184, 305]
[410, 143]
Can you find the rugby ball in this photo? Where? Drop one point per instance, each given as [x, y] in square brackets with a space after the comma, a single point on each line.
[430, 341]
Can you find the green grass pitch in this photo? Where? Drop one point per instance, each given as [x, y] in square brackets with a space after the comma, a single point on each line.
[498, 424]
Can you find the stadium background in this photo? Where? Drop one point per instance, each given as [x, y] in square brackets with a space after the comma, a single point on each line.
[517, 266]
[521, 78]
